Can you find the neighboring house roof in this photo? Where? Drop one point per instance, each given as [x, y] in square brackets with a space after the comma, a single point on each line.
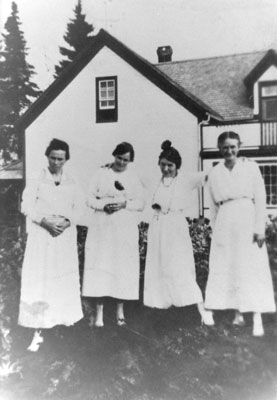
[179, 93]
[12, 171]
[220, 81]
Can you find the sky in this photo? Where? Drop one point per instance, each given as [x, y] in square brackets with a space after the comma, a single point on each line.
[193, 28]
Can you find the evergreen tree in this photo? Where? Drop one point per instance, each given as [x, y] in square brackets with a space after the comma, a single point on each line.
[16, 89]
[77, 36]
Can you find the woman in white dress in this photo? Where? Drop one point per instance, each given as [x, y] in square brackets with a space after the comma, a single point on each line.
[111, 252]
[50, 288]
[239, 273]
[170, 276]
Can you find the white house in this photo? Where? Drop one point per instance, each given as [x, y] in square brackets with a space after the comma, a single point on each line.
[110, 94]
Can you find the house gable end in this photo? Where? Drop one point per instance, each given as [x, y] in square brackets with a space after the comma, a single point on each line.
[270, 59]
[157, 77]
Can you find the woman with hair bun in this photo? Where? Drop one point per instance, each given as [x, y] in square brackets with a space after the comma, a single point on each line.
[50, 286]
[170, 277]
[239, 276]
[112, 254]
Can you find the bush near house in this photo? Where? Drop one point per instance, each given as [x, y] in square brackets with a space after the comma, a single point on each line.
[160, 355]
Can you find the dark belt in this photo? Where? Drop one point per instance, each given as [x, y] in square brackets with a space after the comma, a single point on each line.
[220, 203]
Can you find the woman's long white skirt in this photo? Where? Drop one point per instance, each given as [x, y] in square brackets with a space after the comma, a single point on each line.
[170, 277]
[112, 256]
[239, 273]
[50, 287]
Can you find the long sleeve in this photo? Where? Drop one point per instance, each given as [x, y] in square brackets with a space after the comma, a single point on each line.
[78, 206]
[29, 199]
[259, 200]
[93, 199]
[136, 202]
[197, 180]
[213, 206]
[102, 190]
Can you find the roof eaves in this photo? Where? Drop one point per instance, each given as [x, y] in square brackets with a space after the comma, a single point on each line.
[59, 84]
[160, 79]
[150, 71]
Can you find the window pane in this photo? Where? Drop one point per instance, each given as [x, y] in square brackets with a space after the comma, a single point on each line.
[107, 103]
[269, 109]
[269, 91]
[269, 172]
[111, 94]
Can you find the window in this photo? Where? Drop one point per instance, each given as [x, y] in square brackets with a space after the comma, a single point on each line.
[106, 99]
[269, 173]
[268, 101]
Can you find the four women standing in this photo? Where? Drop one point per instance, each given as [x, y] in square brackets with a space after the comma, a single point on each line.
[239, 275]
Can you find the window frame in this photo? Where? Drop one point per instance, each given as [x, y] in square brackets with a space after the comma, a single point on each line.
[268, 186]
[106, 114]
[264, 98]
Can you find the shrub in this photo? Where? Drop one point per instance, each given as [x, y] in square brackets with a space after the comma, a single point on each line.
[200, 233]
[11, 256]
[271, 242]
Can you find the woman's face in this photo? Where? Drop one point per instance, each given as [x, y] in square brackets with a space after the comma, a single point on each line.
[168, 168]
[121, 162]
[56, 160]
[229, 149]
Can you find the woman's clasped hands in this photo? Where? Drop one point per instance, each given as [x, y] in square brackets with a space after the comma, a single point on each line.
[55, 225]
[113, 207]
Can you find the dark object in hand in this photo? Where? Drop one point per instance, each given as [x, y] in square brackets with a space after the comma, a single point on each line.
[108, 208]
[156, 206]
[118, 185]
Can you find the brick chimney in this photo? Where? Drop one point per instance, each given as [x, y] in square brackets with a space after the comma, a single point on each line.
[164, 53]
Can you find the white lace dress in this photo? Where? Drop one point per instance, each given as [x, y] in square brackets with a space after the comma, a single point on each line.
[112, 253]
[170, 277]
[239, 273]
[50, 288]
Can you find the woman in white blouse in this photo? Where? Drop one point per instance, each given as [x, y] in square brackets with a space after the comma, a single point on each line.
[50, 288]
[170, 276]
[239, 276]
[111, 252]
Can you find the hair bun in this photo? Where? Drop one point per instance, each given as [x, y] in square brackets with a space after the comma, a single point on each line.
[166, 145]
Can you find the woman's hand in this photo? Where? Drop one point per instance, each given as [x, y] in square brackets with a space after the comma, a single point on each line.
[55, 226]
[259, 238]
[113, 207]
[64, 224]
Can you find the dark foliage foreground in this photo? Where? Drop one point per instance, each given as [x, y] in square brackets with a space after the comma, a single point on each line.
[159, 355]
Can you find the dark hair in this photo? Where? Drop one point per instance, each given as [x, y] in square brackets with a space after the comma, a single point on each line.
[123, 148]
[57, 144]
[227, 135]
[170, 153]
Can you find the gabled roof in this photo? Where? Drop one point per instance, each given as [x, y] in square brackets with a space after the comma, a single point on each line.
[219, 81]
[179, 93]
[269, 59]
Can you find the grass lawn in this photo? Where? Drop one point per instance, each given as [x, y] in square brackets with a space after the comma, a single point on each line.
[158, 355]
